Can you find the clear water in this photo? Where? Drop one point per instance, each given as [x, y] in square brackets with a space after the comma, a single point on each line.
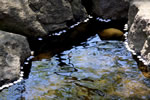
[95, 70]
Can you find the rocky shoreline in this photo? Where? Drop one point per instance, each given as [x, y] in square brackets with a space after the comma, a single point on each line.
[39, 18]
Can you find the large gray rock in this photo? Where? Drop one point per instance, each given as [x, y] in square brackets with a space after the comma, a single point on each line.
[139, 32]
[52, 14]
[38, 17]
[16, 16]
[14, 49]
[114, 9]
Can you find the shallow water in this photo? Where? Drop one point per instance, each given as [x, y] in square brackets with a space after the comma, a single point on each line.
[95, 70]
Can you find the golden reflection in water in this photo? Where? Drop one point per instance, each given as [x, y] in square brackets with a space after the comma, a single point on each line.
[41, 56]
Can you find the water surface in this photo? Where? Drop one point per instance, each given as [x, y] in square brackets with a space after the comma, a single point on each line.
[94, 70]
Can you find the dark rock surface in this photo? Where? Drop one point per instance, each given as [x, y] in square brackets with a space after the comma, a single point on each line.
[17, 17]
[13, 51]
[78, 10]
[38, 17]
[114, 9]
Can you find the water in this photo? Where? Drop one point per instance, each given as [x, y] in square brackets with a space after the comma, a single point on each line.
[95, 70]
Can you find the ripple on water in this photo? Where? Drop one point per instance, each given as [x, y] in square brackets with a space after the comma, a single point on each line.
[92, 71]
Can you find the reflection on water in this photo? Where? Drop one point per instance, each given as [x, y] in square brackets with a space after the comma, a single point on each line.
[96, 70]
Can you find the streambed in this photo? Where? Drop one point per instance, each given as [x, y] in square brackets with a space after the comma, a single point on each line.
[94, 70]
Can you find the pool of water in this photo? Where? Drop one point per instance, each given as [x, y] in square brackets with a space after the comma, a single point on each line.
[94, 70]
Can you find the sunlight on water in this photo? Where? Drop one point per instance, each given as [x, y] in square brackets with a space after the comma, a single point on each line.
[96, 70]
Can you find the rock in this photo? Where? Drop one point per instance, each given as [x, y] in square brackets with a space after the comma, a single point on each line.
[78, 10]
[111, 34]
[38, 17]
[16, 16]
[133, 9]
[114, 9]
[52, 14]
[14, 49]
[139, 32]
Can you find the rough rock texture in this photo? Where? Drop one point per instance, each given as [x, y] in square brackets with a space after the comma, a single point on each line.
[139, 24]
[13, 51]
[38, 17]
[16, 16]
[78, 10]
[114, 9]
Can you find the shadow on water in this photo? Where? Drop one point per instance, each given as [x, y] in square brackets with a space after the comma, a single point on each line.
[54, 44]
[73, 37]
[91, 69]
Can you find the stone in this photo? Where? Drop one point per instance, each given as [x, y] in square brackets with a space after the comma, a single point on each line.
[16, 16]
[113, 9]
[111, 34]
[52, 14]
[36, 18]
[14, 49]
[139, 28]
[78, 10]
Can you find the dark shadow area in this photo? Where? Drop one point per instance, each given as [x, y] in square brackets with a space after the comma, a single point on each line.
[73, 36]
[51, 45]
[88, 4]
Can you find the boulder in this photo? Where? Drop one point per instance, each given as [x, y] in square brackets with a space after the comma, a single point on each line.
[14, 49]
[139, 28]
[38, 17]
[16, 16]
[114, 9]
